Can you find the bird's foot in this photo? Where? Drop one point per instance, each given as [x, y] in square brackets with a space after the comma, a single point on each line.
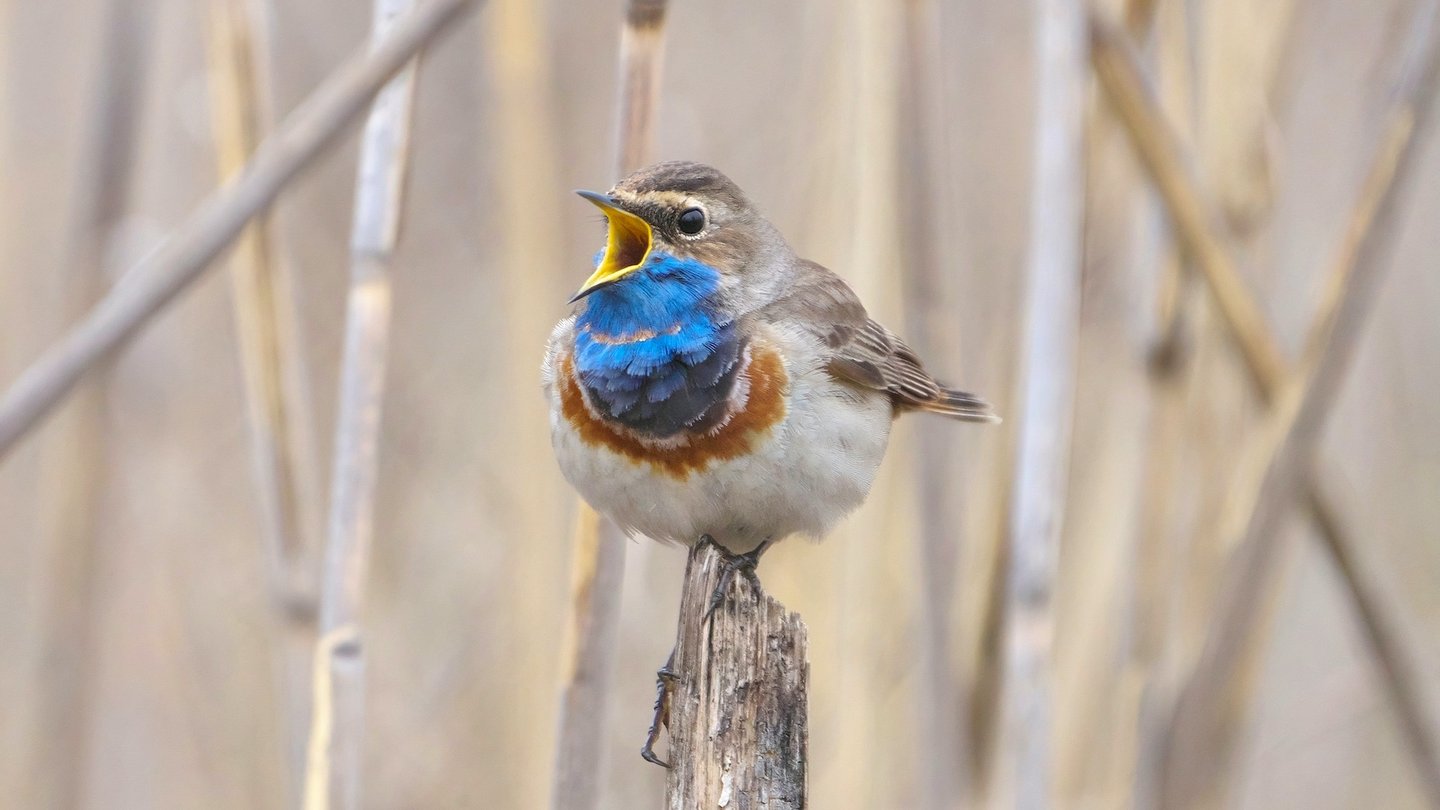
[664, 681]
[734, 564]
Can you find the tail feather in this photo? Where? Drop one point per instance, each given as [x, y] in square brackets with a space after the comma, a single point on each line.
[959, 405]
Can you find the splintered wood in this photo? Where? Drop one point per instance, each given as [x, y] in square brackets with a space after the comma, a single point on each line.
[738, 719]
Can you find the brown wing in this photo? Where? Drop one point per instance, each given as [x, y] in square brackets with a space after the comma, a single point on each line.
[866, 354]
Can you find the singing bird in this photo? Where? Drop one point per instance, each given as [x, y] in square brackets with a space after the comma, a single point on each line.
[712, 384]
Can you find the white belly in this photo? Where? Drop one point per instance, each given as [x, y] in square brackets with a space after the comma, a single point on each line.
[807, 472]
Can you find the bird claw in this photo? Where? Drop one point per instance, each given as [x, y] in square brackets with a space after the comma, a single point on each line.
[734, 563]
[664, 678]
[648, 754]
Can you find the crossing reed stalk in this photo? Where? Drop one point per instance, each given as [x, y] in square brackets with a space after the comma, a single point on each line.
[153, 283]
[1276, 473]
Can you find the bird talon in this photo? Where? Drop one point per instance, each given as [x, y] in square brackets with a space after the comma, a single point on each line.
[734, 563]
[752, 576]
[717, 596]
[665, 677]
[648, 755]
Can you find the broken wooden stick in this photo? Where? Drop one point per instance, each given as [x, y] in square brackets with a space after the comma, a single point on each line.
[738, 727]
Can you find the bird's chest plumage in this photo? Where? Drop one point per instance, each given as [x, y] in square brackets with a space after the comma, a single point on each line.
[657, 357]
[682, 427]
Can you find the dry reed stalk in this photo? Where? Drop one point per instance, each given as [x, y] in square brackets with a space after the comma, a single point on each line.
[1171, 59]
[526, 160]
[1157, 563]
[265, 315]
[282, 436]
[1046, 398]
[984, 695]
[73, 458]
[1277, 472]
[1157, 637]
[1120, 74]
[1391, 646]
[934, 331]
[642, 56]
[1206, 395]
[590, 643]
[181, 258]
[334, 764]
[1127, 89]
[1243, 43]
[1169, 40]
[598, 560]
[1108, 558]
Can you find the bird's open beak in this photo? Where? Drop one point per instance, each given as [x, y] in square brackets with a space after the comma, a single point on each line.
[626, 247]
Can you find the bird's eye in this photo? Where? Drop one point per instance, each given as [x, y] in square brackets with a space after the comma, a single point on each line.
[691, 221]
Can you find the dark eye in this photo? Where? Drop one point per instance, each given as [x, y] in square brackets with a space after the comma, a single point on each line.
[691, 221]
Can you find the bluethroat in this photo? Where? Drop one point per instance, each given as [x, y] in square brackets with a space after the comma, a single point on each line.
[713, 385]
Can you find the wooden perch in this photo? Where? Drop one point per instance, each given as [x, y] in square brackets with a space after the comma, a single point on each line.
[738, 731]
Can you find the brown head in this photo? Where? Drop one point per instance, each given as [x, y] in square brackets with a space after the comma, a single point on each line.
[690, 211]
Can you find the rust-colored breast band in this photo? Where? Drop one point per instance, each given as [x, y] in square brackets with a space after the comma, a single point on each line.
[764, 408]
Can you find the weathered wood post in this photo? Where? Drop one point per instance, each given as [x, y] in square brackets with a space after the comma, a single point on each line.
[738, 727]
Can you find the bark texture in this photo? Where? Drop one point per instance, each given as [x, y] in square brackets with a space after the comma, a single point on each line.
[738, 714]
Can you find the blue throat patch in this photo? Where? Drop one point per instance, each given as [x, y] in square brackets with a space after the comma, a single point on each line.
[652, 351]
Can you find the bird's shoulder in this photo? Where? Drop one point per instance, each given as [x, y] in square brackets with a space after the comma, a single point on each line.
[819, 307]
[817, 302]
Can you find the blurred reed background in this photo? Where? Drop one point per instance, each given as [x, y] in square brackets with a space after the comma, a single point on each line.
[1244, 608]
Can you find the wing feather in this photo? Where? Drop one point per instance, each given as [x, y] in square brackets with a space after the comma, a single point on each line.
[863, 352]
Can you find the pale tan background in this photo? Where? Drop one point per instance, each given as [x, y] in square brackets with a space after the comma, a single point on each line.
[799, 102]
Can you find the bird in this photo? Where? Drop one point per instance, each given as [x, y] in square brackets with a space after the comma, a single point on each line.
[710, 385]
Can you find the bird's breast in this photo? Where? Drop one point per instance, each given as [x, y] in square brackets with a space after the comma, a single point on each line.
[663, 382]
[754, 403]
